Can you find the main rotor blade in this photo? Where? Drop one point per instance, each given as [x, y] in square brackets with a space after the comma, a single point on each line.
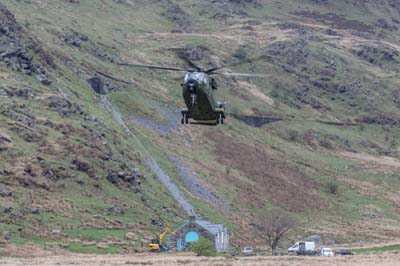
[152, 67]
[249, 75]
[250, 60]
[189, 62]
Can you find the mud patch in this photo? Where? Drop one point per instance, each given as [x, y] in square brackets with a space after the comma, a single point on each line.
[370, 160]
[273, 178]
[253, 90]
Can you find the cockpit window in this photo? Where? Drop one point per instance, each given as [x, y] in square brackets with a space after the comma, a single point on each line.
[200, 77]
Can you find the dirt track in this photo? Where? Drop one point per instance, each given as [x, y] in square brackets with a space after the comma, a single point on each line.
[384, 259]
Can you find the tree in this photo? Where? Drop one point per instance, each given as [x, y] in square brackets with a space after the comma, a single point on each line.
[275, 227]
[203, 247]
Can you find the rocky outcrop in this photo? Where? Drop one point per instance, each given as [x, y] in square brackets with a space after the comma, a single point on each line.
[63, 106]
[17, 50]
[75, 38]
[132, 177]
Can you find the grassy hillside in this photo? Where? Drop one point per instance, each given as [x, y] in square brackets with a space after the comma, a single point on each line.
[70, 166]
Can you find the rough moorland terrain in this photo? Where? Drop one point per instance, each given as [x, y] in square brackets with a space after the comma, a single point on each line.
[318, 138]
[386, 259]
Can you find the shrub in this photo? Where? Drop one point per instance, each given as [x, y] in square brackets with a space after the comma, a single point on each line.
[293, 135]
[203, 247]
[332, 187]
[326, 144]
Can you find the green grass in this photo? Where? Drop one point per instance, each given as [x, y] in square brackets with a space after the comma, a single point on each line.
[376, 249]
[96, 234]
[131, 33]
[91, 249]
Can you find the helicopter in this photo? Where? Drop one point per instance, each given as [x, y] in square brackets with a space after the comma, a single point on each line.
[198, 91]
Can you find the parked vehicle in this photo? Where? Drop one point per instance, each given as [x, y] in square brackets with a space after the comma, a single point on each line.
[327, 252]
[303, 248]
[343, 252]
[247, 251]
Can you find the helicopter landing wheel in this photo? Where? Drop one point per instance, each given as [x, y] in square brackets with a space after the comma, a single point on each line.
[220, 119]
[185, 119]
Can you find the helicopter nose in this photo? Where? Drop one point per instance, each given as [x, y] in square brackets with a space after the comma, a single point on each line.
[192, 85]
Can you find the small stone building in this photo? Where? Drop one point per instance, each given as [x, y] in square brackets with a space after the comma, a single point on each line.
[192, 230]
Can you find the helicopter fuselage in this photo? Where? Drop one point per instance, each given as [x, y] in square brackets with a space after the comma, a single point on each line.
[198, 90]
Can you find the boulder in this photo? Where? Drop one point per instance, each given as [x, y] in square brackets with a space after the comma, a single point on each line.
[44, 79]
[115, 211]
[4, 191]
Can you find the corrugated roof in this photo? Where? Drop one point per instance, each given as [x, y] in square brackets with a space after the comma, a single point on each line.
[212, 228]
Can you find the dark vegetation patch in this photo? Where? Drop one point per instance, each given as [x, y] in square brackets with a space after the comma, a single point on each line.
[289, 54]
[377, 55]
[336, 21]
[274, 178]
[390, 119]
[176, 15]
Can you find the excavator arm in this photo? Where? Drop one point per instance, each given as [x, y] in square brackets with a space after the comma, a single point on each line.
[158, 244]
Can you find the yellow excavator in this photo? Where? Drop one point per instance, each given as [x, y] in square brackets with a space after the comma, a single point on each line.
[157, 244]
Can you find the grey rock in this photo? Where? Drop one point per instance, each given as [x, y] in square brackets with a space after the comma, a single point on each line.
[63, 106]
[24, 92]
[7, 236]
[115, 211]
[35, 211]
[4, 191]
[44, 79]
[75, 38]
[112, 178]
[56, 231]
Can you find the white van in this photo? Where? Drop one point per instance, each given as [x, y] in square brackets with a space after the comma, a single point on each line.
[303, 248]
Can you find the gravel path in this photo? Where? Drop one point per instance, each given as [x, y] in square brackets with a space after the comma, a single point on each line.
[172, 117]
[149, 160]
[171, 123]
[194, 185]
